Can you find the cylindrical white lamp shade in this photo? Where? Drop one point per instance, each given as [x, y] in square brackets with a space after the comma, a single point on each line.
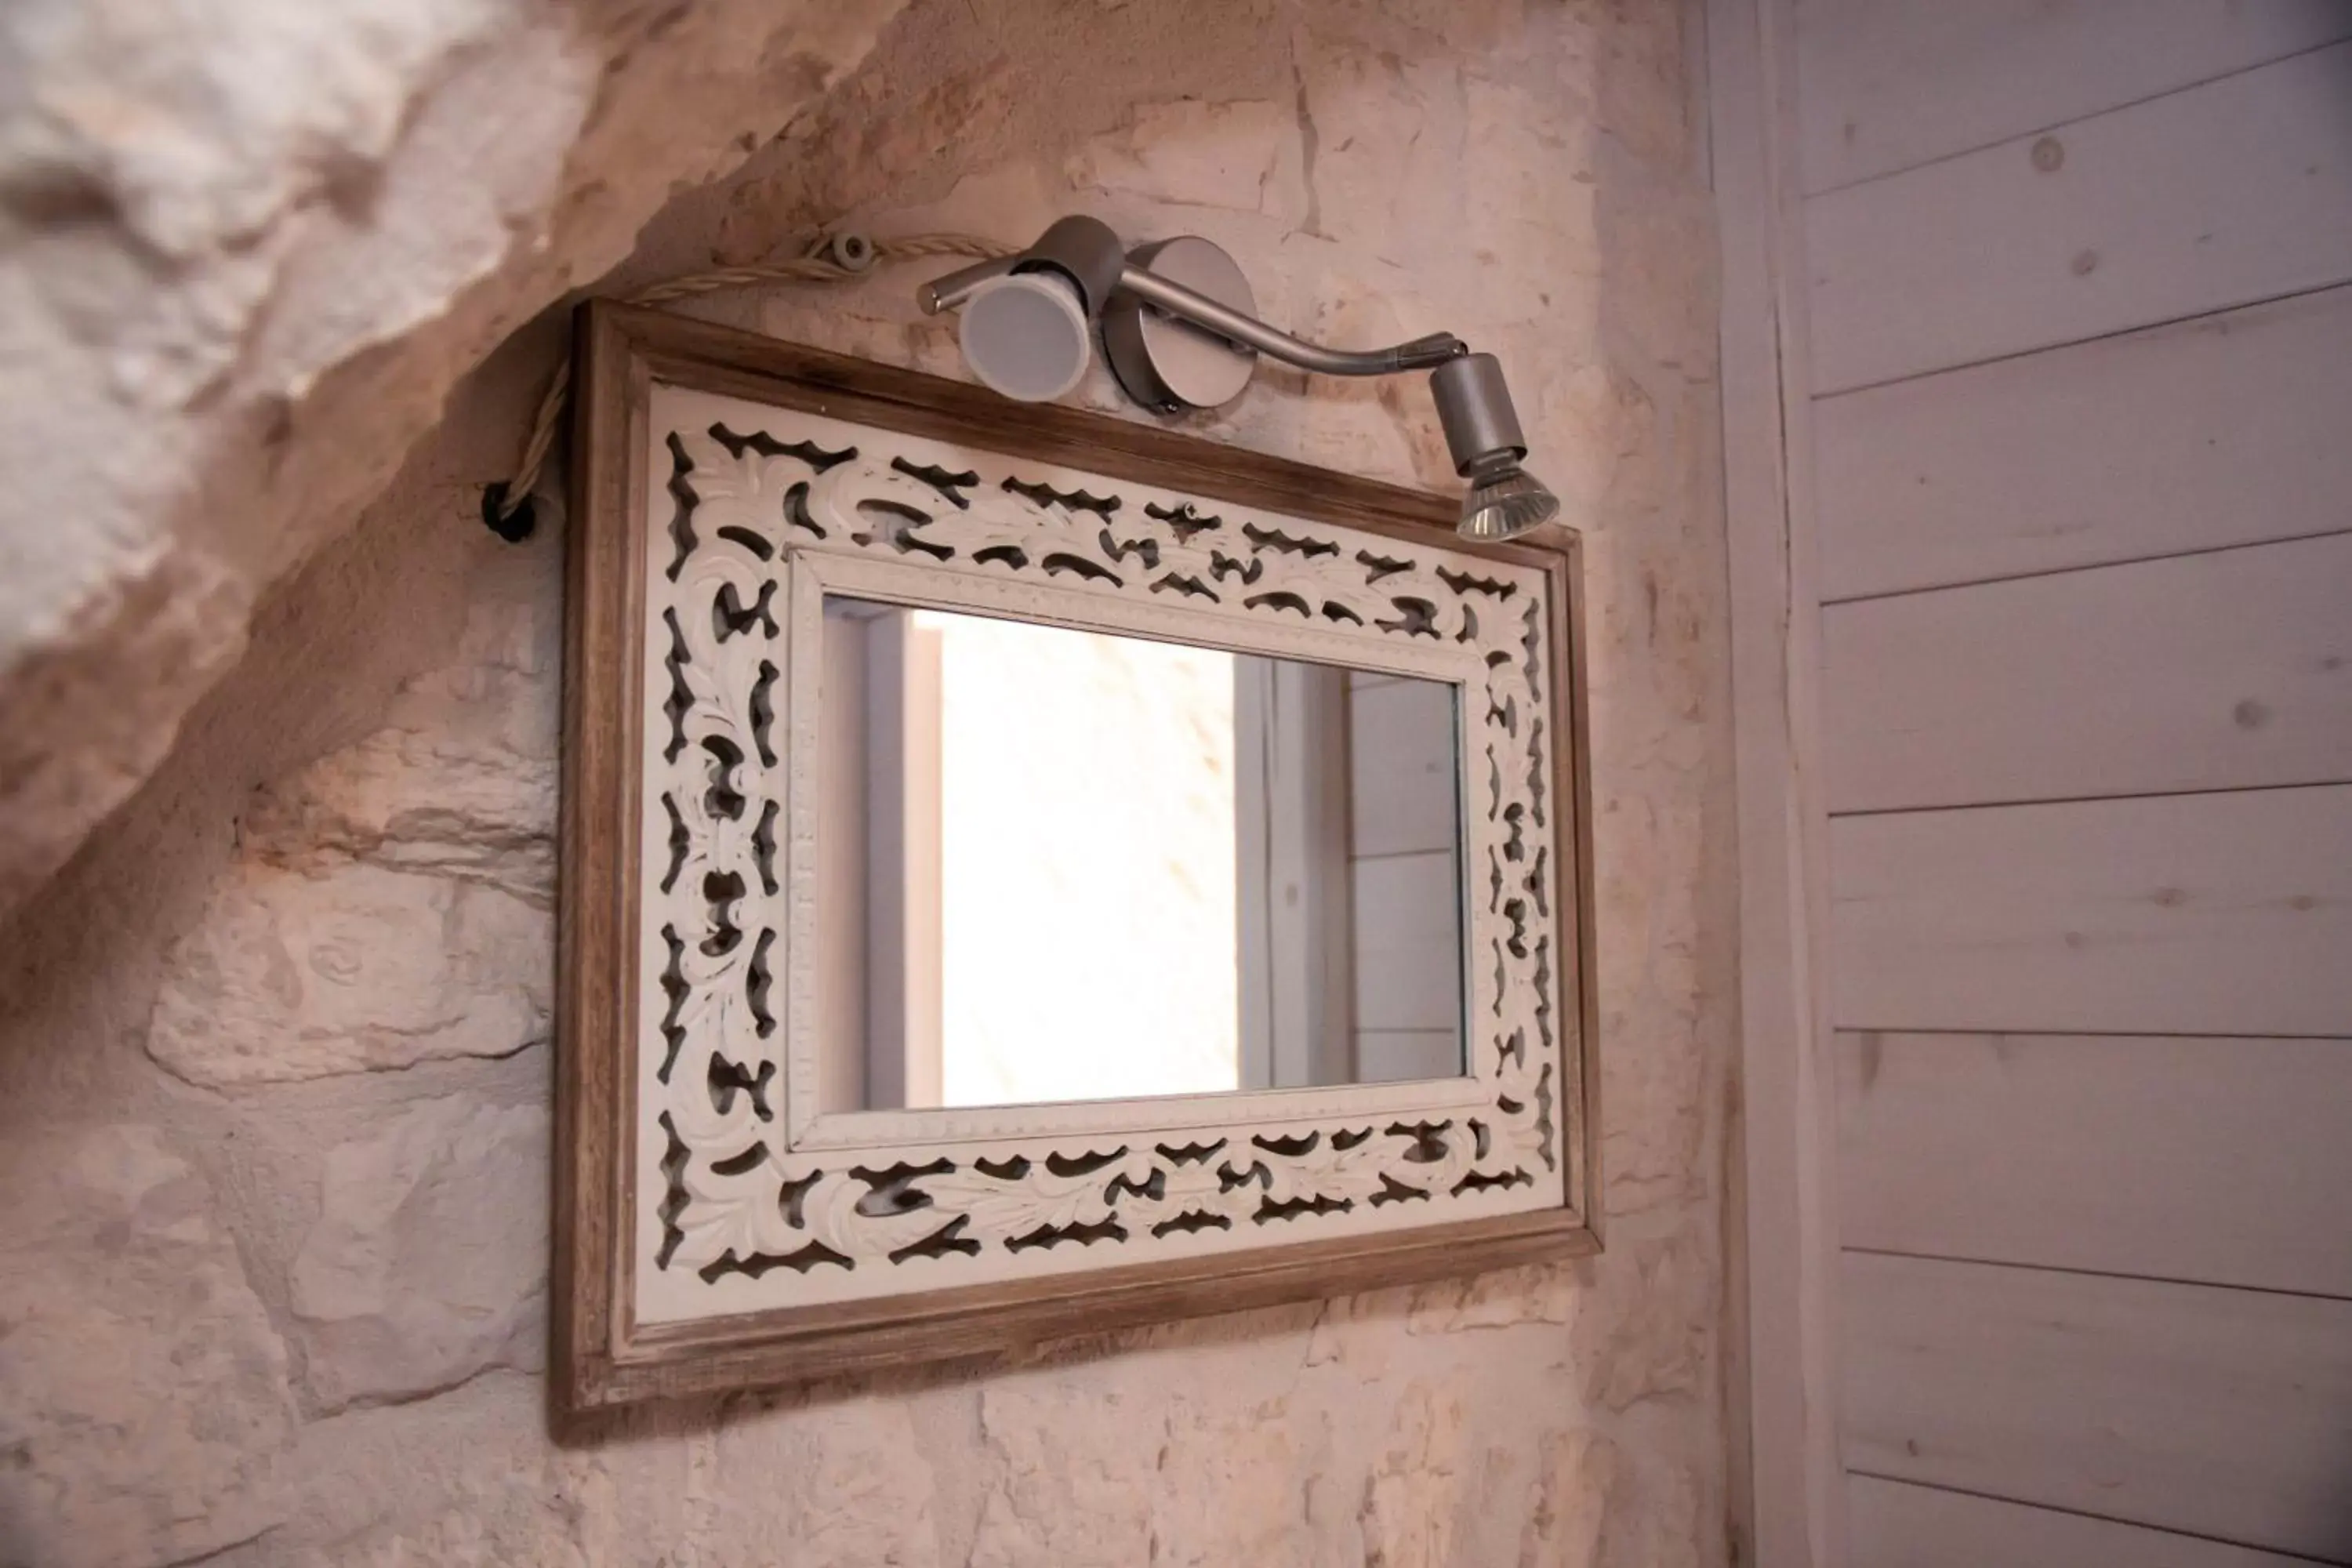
[1025, 335]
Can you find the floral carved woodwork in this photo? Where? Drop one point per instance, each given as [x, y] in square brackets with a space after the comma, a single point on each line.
[738, 1201]
[745, 500]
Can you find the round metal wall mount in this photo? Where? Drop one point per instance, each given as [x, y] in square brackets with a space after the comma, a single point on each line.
[1169, 365]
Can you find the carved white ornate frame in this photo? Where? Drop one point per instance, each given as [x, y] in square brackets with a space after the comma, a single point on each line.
[714, 1227]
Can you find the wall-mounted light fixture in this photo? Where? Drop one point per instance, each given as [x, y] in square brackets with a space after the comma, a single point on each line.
[1178, 330]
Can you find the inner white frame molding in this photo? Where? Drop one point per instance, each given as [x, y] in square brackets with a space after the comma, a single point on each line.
[815, 574]
[743, 1213]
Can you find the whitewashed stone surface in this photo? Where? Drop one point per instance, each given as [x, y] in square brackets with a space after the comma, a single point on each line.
[460, 781]
[297, 976]
[393, 902]
[426, 1264]
[273, 1049]
[143, 1392]
[848, 1484]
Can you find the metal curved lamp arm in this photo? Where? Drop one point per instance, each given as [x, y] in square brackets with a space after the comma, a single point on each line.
[1248, 331]
[946, 293]
[1243, 332]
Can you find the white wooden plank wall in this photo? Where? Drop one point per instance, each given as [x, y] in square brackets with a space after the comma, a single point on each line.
[1402, 829]
[1401, 765]
[2217, 1161]
[1891, 84]
[1898, 1525]
[2221, 670]
[2079, 283]
[2120, 449]
[1407, 944]
[2211, 1412]
[2221, 195]
[2209, 914]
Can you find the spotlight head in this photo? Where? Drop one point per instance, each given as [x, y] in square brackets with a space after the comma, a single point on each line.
[1025, 335]
[1504, 501]
[1028, 319]
[1481, 432]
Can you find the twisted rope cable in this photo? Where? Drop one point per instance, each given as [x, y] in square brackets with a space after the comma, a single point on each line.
[829, 259]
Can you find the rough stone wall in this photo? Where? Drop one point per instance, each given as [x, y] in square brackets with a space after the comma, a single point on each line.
[274, 1064]
[246, 249]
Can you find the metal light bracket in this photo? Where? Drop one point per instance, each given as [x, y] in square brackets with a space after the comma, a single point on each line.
[1178, 332]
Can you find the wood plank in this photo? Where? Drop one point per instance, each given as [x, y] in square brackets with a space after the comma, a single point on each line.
[1401, 767]
[2219, 196]
[2220, 1161]
[2207, 914]
[2224, 670]
[602, 814]
[1894, 83]
[2225, 1414]
[2115, 450]
[1897, 1524]
[1408, 971]
[1787, 1486]
[1400, 1056]
[1291, 759]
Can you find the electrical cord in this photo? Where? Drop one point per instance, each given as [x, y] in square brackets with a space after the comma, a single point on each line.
[830, 257]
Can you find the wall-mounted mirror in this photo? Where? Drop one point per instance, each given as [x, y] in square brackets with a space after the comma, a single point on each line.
[1025, 873]
[1071, 865]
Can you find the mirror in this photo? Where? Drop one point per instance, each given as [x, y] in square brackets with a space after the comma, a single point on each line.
[1065, 865]
[869, 912]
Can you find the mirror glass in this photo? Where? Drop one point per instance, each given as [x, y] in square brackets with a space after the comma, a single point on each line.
[1062, 865]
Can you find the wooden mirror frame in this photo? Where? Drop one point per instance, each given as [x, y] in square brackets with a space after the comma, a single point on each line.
[677, 1272]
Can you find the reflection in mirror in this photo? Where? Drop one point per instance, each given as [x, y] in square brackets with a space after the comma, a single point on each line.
[1060, 865]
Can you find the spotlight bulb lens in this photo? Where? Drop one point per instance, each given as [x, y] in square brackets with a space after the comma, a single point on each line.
[1025, 335]
[1505, 503]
